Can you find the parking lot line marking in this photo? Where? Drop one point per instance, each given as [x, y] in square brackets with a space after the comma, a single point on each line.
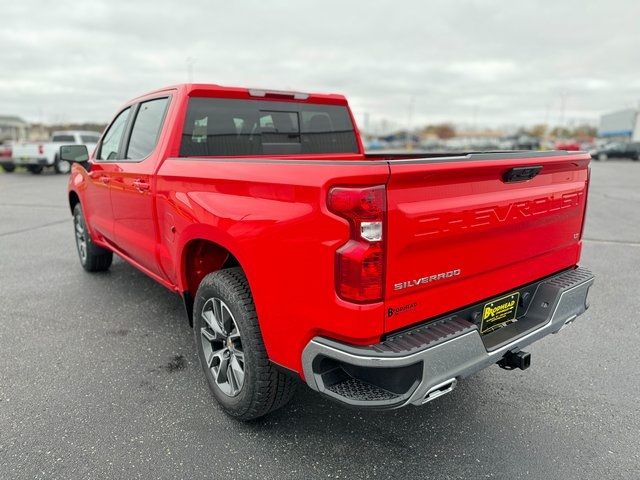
[33, 205]
[44, 225]
[613, 242]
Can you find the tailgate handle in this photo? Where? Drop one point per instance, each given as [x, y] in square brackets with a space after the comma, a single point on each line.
[521, 174]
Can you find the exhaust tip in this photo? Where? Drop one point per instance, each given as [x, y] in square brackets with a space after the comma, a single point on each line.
[440, 390]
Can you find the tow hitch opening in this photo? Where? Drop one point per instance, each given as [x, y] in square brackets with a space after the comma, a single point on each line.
[511, 360]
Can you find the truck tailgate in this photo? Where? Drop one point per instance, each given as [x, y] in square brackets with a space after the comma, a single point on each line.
[28, 150]
[460, 233]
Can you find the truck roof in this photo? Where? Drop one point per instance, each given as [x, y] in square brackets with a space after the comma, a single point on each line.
[214, 90]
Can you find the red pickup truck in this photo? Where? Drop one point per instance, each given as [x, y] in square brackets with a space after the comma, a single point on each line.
[380, 280]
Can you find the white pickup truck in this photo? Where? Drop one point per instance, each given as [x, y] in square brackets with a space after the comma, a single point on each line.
[38, 155]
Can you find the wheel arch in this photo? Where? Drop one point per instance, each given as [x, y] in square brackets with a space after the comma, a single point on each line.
[200, 257]
[74, 199]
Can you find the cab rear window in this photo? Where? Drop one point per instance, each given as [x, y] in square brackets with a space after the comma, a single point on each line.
[89, 138]
[228, 127]
[63, 138]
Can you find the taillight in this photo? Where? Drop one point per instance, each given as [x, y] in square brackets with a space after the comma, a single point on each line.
[360, 261]
[586, 199]
[40, 149]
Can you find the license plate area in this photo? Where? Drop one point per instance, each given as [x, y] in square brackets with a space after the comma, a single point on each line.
[529, 297]
[499, 313]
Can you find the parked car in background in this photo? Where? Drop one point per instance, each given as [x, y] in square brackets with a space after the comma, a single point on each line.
[37, 156]
[431, 145]
[381, 280]
[587, 146]
[630, 150]
[567, 145]
[5, 157]
[376, 144]
[519, 142]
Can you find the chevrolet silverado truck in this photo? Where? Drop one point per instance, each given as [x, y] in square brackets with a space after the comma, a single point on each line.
[36, 156]
[379, 280]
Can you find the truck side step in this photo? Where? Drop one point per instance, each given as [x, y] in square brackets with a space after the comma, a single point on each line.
[354, 389]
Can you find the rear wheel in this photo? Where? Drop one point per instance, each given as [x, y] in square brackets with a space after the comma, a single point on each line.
[35, 169]
[230, 347]
[92, 257]
[61, 166]
[8, 167]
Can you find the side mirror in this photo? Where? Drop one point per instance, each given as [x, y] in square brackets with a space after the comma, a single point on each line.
[74, 153]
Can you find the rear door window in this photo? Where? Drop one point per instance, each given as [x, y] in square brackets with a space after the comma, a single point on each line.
[146, 128]
[228, 127]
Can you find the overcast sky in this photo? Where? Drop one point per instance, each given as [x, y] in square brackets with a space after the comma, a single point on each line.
[488, 62]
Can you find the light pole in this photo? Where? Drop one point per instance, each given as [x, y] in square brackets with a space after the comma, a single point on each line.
[190, 62]
[408, 143]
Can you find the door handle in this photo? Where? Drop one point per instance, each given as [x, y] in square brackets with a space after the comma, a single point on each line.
[141, 186]
[99, 177]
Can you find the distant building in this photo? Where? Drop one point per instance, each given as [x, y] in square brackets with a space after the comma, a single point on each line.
[38, 132]
[620, 125]
[12, 128]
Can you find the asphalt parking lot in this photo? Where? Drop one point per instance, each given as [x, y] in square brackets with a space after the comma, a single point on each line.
[99, 377]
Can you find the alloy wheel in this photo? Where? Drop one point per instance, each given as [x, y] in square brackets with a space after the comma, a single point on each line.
[222, 347]
[81, 237]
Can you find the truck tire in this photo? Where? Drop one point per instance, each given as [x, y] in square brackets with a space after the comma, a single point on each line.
[61, 166]
[8, 167]
[92, 257]
[35, 169]
[231, 351]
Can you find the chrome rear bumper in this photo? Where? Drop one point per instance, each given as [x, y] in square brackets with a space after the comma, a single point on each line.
[421, 364]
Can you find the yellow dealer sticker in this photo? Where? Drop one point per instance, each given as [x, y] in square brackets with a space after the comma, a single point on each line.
[499, 313]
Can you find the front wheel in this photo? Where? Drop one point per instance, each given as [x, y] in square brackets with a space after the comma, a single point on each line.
[35, 169]
[8, 167]
[92, 257]
[603, 157]
[230, 347]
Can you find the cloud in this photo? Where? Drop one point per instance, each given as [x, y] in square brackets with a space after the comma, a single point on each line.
[491, 61]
